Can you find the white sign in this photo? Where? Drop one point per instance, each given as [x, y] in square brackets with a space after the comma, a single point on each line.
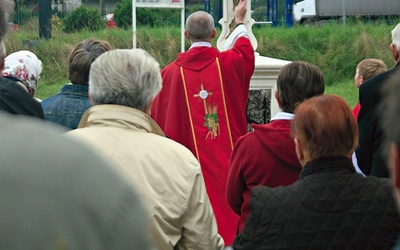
[160, 3]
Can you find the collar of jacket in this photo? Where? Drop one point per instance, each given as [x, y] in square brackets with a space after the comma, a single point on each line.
[336, 164]
[121, 117]
[75, 89]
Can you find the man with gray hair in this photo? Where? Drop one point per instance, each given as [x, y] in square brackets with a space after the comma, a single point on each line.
[203, 104]
[122, 86]
[370, 153]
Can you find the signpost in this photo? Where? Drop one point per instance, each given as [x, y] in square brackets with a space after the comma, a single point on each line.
[45, 19]
[175, 4]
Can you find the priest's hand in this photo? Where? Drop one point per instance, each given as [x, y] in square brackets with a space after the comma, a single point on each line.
[240, 11]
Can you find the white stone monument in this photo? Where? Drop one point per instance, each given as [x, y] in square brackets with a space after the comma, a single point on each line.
[266, 68]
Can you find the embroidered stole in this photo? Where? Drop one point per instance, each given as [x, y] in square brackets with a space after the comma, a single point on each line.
[207, 111]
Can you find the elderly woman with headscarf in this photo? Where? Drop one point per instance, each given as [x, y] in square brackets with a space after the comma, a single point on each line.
[20, 71]
[23, 67]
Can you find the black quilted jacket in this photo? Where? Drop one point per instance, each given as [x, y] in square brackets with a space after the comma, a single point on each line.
[329, 207]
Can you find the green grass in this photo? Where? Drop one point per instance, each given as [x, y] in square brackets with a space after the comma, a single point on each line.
[335, 48]
[347, 90]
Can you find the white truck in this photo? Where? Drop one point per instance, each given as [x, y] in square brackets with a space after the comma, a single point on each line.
[315, 10]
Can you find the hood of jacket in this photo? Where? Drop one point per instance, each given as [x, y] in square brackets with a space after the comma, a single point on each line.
[197, 58]
[276, 138]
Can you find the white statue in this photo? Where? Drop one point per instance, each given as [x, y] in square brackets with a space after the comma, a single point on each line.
[266, 69]
[228, 14]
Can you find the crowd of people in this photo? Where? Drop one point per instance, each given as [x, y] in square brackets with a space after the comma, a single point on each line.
[131, 156]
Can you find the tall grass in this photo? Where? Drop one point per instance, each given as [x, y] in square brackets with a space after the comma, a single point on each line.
[335, 48]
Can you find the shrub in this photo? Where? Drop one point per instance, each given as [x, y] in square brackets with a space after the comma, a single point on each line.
[84, 18]
[59, 13]
[23, 14]
[190, 9]
[151, 17]
[55, 21]
[123, 14]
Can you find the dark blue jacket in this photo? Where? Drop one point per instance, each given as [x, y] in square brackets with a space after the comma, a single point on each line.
[67, 106]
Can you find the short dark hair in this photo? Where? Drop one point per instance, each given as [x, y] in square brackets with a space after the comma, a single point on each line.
[297, 82]
[82, 56]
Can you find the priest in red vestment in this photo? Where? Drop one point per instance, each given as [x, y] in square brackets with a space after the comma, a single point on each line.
[202, 104]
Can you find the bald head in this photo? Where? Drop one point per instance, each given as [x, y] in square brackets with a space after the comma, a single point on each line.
[200, 26]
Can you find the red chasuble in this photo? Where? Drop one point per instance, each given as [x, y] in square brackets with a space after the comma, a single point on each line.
[202, 105]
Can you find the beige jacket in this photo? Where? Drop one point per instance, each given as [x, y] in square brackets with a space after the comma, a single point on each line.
[165, 174]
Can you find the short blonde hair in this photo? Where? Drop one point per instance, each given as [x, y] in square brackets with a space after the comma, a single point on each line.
[370, 67]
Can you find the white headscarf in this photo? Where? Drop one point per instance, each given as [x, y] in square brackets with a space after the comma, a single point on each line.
[24, 66]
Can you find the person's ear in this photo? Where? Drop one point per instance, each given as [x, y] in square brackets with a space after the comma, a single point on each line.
[186, 34]
[299, 151]
[148, 107]
[278, 99]
[394, 162]
[395, 52]
[213, 33]
[361, 79]
[90, 98]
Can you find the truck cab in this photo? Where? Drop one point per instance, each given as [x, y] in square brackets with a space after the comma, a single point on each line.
[304, 10]
[317, 10]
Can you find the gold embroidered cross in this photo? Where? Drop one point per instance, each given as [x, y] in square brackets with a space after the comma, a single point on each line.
[211, 120]
[203, 94]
